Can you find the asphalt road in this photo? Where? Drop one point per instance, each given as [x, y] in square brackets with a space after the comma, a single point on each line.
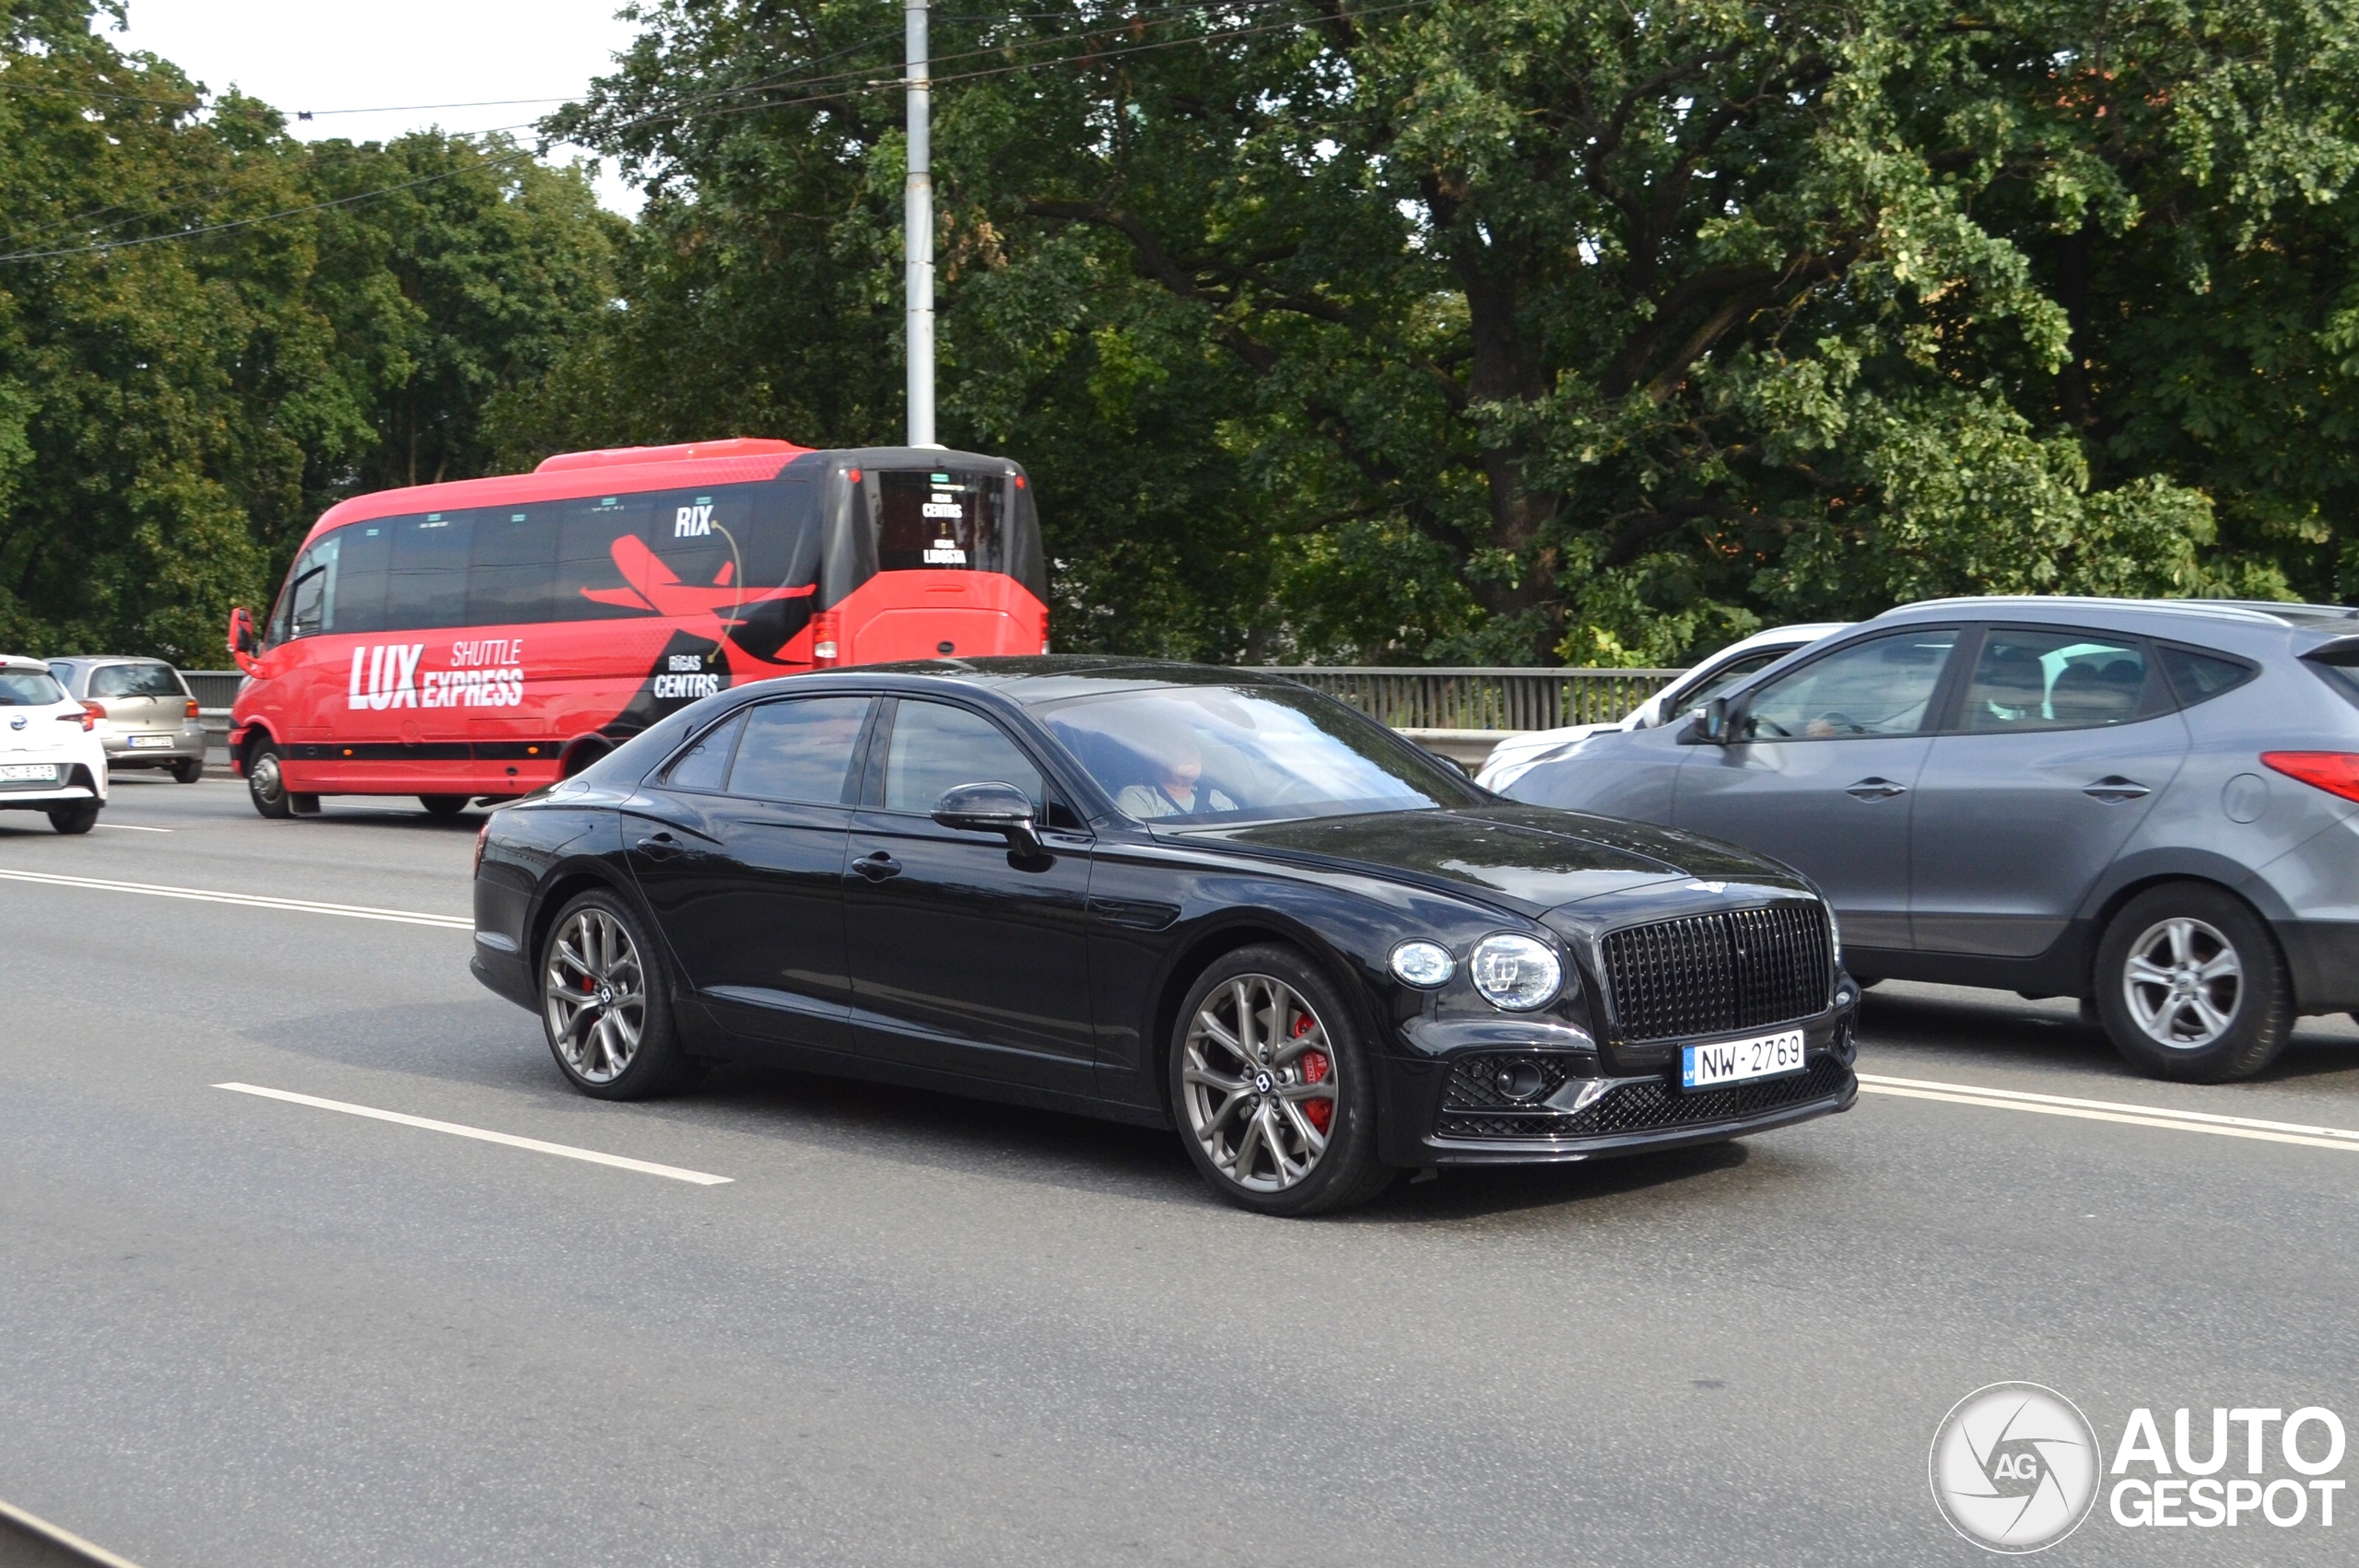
[239, 1331]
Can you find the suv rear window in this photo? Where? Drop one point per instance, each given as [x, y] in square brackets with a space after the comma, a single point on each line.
[2197, 676]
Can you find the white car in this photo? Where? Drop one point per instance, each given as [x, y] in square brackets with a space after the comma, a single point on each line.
[51, 756]
[1511, 758]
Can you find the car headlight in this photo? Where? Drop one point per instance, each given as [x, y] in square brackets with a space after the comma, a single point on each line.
[1423, 965]
[1515, 972]
[1834, 934]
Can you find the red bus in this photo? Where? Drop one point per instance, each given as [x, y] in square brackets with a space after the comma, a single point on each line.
[485, 637]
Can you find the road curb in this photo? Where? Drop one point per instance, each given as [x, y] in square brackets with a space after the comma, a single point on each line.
[29, 1542]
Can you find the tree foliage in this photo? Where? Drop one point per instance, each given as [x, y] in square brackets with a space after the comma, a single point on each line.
[174, 412]
[1533, 329]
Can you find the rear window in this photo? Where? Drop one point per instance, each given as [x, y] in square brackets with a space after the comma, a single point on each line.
[29, 688]
[2197, 676]
[938, 520]
[135, 679]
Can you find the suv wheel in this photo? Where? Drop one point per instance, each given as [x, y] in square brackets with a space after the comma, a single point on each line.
[2190, 986]
[1271, 1086]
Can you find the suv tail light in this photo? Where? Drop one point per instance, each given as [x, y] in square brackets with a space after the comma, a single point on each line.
[2337, 773]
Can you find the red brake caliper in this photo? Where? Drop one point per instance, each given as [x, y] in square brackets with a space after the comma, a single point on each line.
[1315, 1069]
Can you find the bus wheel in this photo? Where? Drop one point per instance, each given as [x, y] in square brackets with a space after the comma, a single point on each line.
[266, 784]
[444, 805]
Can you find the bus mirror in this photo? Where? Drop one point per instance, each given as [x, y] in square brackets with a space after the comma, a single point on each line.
[990, 808]
[244, 642]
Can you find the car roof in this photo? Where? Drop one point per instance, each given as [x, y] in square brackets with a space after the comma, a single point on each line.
[23, 662]
[1052, 677]
[2258, 613]
[96, 658]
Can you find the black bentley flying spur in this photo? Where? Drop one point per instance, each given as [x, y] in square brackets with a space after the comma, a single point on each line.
[1164, 893]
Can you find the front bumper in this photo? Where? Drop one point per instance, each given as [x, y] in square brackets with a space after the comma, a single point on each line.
[1590, 1110]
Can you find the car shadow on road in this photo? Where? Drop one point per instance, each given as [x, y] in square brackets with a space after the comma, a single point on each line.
[2014, 1032]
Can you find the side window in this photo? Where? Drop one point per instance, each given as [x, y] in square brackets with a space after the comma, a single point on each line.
[705, 765]
[2057, 679]
[2199, 677]
[366, 549]
[937, 747]
[513, 574]
[1882, 687]
[799, 750]
[426, 586]
[311, 594]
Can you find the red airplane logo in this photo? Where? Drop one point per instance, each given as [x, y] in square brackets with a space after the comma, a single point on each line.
[654, 586]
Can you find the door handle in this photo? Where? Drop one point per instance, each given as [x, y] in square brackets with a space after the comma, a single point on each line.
[660, 846]
[2114, 789]
[877, 867]
[1875, 789]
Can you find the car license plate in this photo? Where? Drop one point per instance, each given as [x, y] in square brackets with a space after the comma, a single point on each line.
[1734, 1061]
[29, 773]
[147, 742]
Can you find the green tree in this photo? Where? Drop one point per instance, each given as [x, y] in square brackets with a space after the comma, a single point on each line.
[1523, 329]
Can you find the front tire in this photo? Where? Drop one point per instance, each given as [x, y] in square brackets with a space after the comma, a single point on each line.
[2190, 986]
[79, 817]
[1272, 1088]
[606, 1002]
[266, 782]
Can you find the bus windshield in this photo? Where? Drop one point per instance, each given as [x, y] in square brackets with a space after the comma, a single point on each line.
[1207, 756]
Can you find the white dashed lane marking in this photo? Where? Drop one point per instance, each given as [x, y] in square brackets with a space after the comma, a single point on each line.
[250, 900]
[483, 1135]
[2113, 1110]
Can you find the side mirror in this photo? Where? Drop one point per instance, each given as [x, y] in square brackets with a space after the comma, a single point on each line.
[990, 808]
[1709, 727]
[245, 641]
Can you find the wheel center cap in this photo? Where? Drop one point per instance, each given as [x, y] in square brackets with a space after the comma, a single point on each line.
[605, 996]
[1263, 1082]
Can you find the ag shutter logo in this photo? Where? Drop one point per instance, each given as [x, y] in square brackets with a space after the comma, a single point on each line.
[2014, 1468]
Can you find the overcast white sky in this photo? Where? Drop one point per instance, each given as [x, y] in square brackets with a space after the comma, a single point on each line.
[333, 56]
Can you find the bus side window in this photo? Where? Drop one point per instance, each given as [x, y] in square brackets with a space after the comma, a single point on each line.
[311, 594]
[360, 575]
[427, 584]
[513, 580]
[587, 530]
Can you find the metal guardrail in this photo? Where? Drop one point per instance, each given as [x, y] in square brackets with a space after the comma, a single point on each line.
[213, 689]
[1413, 697]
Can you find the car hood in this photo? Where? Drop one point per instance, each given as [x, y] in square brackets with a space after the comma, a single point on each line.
[1533, 857]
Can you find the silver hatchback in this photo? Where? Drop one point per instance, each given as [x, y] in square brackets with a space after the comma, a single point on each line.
[2151, 805]
[151, 720]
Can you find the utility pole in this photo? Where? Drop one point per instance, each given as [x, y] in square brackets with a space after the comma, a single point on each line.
[917, 220]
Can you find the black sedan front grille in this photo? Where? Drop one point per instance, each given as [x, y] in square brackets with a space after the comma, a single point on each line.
[1654, 1105]
[1710, 974]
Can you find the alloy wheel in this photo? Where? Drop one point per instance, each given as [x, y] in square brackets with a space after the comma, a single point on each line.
[1259, 1080]
[2183, 981]
[597, 991]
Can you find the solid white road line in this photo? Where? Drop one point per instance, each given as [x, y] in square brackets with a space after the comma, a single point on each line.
[251, 900]
[645, 1168]
[50, 1541]
[2113, 1110]
[134, 827]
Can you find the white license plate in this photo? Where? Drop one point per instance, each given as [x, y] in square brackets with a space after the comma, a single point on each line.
[149, 743]
[1734, 1061]
[29, 773]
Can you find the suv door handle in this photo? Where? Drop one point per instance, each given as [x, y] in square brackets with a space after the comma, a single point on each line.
[660, 846]
[2114, 789]
[1875, 789]
[877, 867]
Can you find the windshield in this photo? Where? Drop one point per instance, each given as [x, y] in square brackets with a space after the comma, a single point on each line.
[29, 688]
[1200, 756]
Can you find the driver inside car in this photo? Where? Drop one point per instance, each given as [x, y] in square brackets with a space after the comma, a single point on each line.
[1178, 789]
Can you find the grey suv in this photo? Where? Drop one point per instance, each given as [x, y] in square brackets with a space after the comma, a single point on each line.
[2151, 805]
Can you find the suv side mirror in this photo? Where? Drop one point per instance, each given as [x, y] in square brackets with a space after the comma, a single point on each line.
[1709, 727]
[990, 808]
